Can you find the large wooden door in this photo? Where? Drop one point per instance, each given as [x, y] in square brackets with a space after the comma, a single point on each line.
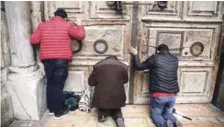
[107, 33]
[191, 30]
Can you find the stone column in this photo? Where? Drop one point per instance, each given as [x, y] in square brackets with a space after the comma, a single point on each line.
[6, 105]
[25, 80]
[36, 18]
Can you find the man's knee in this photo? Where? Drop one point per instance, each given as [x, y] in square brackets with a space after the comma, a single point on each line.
[116, 113]
[158, 120]
[169, 116]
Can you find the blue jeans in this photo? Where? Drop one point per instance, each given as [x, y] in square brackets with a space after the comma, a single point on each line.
[162, 110]
[56, 72]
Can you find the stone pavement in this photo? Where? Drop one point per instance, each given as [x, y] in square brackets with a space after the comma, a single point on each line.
[203, 115]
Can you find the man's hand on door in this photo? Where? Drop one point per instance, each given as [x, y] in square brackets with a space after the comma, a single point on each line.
[132, 50]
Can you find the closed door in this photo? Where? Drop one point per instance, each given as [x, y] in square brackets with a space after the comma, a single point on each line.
[190, 29]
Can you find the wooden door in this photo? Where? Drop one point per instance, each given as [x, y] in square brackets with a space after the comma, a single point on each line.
[107, 33]
[191, 30]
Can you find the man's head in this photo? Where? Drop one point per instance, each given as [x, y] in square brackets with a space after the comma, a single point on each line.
[163, 48]
[112, 56]
[61, 13]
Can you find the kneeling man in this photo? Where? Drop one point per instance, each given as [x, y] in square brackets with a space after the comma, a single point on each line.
[109, 77]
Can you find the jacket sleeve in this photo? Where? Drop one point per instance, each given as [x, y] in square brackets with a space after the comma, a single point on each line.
[35, 37]
[77, 32]
[92, 78]
[144, 65]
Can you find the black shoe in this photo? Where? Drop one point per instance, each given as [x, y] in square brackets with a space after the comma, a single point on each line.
[101, 118]
[169, 123]
[120, 122]
[61, 114]
[102, 114]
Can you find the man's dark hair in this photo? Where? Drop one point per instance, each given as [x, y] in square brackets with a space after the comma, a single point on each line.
[163, 48]
[112, 56]
[61, 13]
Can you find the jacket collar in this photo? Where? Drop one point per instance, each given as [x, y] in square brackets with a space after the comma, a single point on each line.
[164, 52]
[111, 57]
[58, 18]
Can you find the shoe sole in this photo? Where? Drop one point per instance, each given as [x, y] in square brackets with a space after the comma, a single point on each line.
[169, 124]
[51, 114]
[120, 122]
[58, 118]
[102, 120]
[178, 123]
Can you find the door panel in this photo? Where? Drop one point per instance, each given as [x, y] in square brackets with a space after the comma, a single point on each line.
[107, 33]
[100, 10]
[180, 40]
[181, 31]
[204, 11]
[153, 12]
[194, 81]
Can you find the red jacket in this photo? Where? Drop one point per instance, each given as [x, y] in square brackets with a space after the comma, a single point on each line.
[54, 37]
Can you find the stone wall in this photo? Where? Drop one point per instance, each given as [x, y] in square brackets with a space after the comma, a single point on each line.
[6, 104]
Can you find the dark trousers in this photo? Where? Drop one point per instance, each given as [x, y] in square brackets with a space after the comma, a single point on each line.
[162, 110]
[115, 113]
[57, 73]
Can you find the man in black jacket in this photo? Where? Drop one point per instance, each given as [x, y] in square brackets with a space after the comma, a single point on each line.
[163, 68]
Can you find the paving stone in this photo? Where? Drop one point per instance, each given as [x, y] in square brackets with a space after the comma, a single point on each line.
[151, 124]
[73, 121]
[202, 123]
[135, 111]
[26, 123]
[196, 110]
[203, 115]
[220, 119]
[108, 123]
[93, 112]
[136, 122]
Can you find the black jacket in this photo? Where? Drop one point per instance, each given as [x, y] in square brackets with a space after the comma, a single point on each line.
[162, 71]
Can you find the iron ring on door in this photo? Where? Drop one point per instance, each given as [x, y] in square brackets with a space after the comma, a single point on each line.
[79, 46]
[197, 48]
[98, 43]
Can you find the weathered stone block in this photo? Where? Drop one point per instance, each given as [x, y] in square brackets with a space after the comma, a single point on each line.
[28, 93]
[6, 107]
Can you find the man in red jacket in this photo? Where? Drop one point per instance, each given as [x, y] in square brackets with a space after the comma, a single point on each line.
[54, 37]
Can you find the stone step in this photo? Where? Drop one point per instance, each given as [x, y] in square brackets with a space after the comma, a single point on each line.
[26, 123]
[203, 115]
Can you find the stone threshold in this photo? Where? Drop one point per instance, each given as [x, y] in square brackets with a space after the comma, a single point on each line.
[203, 115]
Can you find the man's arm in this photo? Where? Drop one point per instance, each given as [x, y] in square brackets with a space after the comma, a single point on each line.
[35, 37]
[92, 78]
[78, 32]
[144, 65]
[138, 65]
